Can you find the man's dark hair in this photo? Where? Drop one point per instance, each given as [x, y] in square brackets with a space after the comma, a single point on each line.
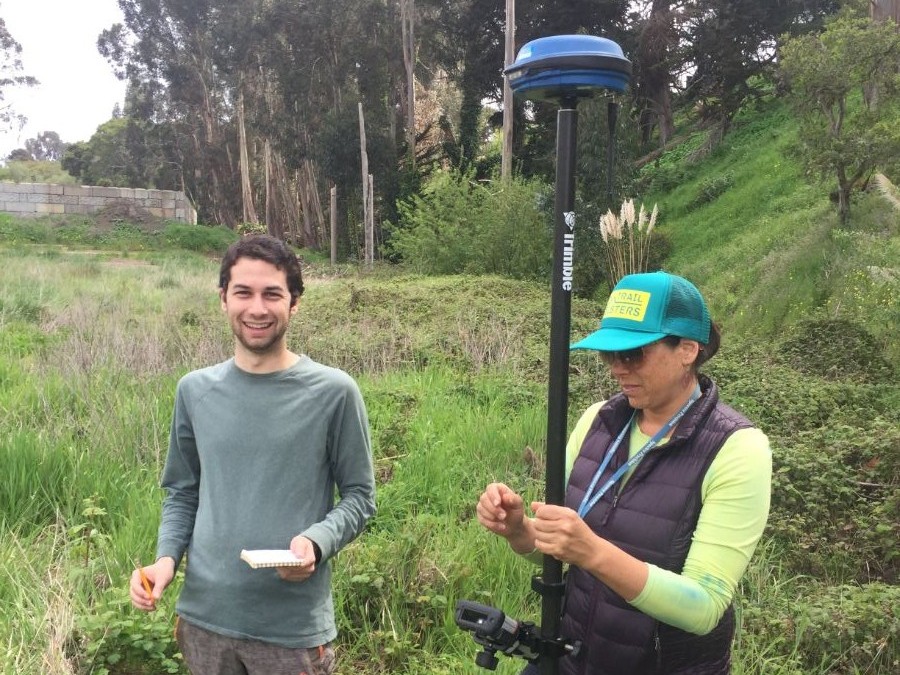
[269, 249]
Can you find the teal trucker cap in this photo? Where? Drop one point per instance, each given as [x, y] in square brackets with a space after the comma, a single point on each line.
[644, 308]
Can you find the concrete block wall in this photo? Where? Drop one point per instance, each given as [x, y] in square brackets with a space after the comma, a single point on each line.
[38, 199]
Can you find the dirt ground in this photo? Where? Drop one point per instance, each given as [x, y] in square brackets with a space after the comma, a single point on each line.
[123, 211]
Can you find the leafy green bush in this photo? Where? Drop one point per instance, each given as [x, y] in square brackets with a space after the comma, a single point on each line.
[836, 451]
[661, 179]
[783, 401]
[460, 226]
[24, 230]
[252, 228]
[116, 640]
[836, 349]
[835, 499]
[710, 188]
[822, 629]
[35, 172]
[199, 238]
[671, 168]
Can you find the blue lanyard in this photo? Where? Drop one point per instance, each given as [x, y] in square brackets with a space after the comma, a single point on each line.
[589, 501]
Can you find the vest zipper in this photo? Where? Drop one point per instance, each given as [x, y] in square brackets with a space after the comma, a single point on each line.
[657, 647]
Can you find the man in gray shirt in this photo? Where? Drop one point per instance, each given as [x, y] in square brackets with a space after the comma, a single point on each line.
[257, 447]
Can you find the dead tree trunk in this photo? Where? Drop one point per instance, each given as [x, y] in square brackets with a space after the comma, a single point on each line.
[506, 152]
[407, 23]
[370, 221]
[365, 184]
[333, 219]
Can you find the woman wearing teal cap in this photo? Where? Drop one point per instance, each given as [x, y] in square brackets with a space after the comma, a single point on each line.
[667, 496]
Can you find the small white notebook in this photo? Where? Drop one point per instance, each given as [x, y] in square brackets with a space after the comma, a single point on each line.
[265, 557]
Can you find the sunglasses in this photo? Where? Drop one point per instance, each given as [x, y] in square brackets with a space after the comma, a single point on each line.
[629, 357]
[634, 357]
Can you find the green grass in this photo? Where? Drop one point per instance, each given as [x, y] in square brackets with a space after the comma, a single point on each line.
[116, 237]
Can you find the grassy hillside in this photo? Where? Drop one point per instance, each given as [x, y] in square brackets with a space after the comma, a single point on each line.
[96, 326]
[765, 243]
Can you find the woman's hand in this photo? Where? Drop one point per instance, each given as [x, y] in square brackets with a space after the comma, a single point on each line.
[502, 511]
[560, 532]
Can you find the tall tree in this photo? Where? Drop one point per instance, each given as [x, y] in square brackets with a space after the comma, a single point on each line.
[841, 135]
[46, 146]
[329, 58]
[656, 69]
[408, 23]
[508, 112]
[730, 43]
[11, 75]
[166, 48]
[471, 49]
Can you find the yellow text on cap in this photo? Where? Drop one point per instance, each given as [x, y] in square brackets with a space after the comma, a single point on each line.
[630, 305]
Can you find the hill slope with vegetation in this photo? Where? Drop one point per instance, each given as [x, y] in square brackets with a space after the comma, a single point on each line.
[99, 325]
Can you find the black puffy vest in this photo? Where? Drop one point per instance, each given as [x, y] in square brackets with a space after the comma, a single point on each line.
[653, 518]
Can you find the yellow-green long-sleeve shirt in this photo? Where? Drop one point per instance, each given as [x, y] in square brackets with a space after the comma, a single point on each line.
[735, 506]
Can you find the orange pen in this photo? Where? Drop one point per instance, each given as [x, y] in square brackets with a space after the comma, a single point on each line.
[146, 582]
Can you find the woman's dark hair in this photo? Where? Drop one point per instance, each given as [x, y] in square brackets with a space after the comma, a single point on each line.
[269, 249]
[707, 351]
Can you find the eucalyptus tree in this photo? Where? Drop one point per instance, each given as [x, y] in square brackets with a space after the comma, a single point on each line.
[258, 94]
[712, 55]
[11, 75]
[324, 60]
[655, 25]
[45, 147]
[465, 38]
[165, 50]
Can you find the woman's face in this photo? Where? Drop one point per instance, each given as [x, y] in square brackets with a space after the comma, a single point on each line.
[656, 381]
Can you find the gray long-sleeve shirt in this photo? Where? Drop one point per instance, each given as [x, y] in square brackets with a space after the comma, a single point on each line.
[254, 461]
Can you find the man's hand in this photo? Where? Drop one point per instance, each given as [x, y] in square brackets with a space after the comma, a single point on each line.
[302, 548]
[159, 575]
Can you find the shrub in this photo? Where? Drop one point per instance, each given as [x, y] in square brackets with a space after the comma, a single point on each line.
[662, 179]
[839, 629]
[835, 498]
[115, 640]
[35, 171]
[711, 188]
[199, 238]
[836, 349]
[460, 226]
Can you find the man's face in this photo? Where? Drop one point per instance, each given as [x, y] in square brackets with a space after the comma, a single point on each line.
[258, 305]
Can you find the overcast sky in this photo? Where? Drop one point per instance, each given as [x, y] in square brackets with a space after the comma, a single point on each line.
[77, 89]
